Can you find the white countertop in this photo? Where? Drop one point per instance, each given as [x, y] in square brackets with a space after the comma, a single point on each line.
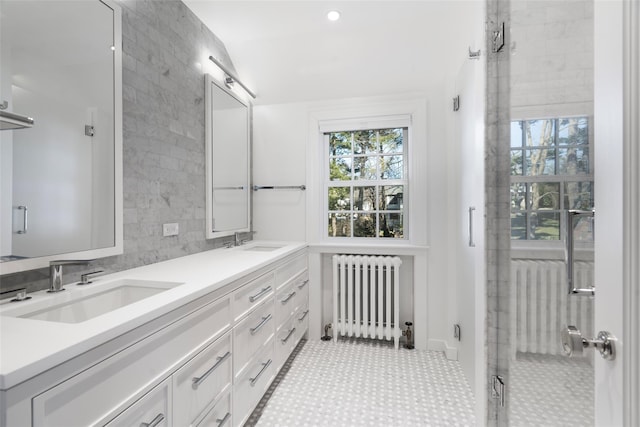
[29, 347]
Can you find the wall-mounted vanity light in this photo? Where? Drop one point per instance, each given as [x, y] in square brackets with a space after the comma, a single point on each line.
[230, 78]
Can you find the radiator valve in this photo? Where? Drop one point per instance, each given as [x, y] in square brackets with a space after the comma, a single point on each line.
[409, 334]
[326, 336]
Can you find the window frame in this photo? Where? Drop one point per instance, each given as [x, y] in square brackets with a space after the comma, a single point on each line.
[561, 179]
[371, 125]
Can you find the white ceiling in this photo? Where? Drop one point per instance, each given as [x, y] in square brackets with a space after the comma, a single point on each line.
[287, 51]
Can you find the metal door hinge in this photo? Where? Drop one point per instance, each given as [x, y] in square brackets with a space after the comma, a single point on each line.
[89, 130]
[497, 388]
[456, 103]
[497, 37]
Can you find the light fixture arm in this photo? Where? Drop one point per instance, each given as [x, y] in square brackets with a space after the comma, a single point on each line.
[232, 76]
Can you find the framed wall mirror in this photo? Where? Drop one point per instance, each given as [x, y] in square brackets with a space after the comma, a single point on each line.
[228, 142]
[61, 177]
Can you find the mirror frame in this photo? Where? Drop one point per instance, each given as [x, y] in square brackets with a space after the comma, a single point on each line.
[209, 144]
[117, 249]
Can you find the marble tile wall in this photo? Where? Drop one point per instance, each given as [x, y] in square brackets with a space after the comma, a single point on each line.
[164, 46]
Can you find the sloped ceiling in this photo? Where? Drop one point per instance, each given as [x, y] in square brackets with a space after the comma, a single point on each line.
[288, 51]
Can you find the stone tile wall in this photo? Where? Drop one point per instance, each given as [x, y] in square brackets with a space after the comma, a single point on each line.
[164, 47]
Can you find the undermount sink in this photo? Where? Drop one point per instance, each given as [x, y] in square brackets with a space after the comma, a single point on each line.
[262, 248]
[120, 293]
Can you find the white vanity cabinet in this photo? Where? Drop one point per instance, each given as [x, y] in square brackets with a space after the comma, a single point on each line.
[206, 363]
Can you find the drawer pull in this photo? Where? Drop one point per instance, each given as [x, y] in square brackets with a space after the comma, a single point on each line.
[264, 320]
[254, 298]
[285, 339]
[222, 421]
[286, 300]
[303, 284]
[198, 380]
[157, 420]
[265, 365]
[304, 314]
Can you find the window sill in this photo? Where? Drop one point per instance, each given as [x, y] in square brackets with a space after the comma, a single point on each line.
[368, 248]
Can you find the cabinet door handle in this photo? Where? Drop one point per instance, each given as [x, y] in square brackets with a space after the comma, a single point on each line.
[285, 339]
[288, 297]
[303, 284]
[222, 421]
[265, 365]
[263, 291]
[300, 319]
[198, 380]
[157, 420]
[264, 320]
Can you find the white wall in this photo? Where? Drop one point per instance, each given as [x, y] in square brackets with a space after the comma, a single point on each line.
[286, 149]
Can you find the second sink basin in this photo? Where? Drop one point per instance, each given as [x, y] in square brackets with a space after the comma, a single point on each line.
[121, 293]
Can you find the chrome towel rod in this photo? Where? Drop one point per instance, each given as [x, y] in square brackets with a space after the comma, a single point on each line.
[279, 187]
[233, 76]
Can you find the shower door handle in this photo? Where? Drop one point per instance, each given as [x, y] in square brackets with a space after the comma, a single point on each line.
[568, 253]
[573, 344]
[471, 242]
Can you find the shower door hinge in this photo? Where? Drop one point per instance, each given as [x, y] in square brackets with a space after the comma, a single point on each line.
[89, 130]
[497, 388]
[497, 37]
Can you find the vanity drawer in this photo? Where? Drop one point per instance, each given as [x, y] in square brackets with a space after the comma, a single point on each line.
[94, 395]
[285, 342]
[219, 415]
[287, 271]
[251, 334]
[153, 409]
[301, 286]
[286, 302]
[201, 381]
[252, 294]
[253, 383]
[301, 320]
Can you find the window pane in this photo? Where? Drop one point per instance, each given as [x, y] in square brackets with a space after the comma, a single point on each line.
[364, 225]
[365, 142]
[340, 143]
[545, 226]
[340, 169]
[544, 195]
[518, 197]
[540, 133]
[573, 131]
[391, 167]
[391, 225]
[516, 134]
[573, 161]
[364, 198]
[339, 198]
[518, 226]
[339, 225]
[390, 197]
[364, 167]
[516, 162]
[578, 195]
[391, 140]
[540, 162]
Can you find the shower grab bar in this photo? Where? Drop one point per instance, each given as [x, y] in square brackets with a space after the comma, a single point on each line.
[471, 242]
[568, 253]
[279, 187]
[25, 220]
[240, 187]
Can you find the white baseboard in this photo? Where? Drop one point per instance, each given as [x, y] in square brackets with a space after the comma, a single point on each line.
[450, 353]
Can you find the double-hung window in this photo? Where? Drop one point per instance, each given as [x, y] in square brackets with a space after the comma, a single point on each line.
[366, 183]
[551, 171]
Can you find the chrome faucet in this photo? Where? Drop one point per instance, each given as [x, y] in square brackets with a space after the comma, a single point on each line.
[55, 272]
[237, 241]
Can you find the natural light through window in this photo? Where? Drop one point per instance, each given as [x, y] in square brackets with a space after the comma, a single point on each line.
[551, 172]
[366, 183]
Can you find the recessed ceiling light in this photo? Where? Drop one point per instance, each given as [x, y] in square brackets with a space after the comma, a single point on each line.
[333, 15]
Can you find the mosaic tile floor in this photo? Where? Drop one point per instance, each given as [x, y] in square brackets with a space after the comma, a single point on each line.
[551, 391]
[367, 383]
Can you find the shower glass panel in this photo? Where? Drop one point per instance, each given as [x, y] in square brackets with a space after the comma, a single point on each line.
[551, 114]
